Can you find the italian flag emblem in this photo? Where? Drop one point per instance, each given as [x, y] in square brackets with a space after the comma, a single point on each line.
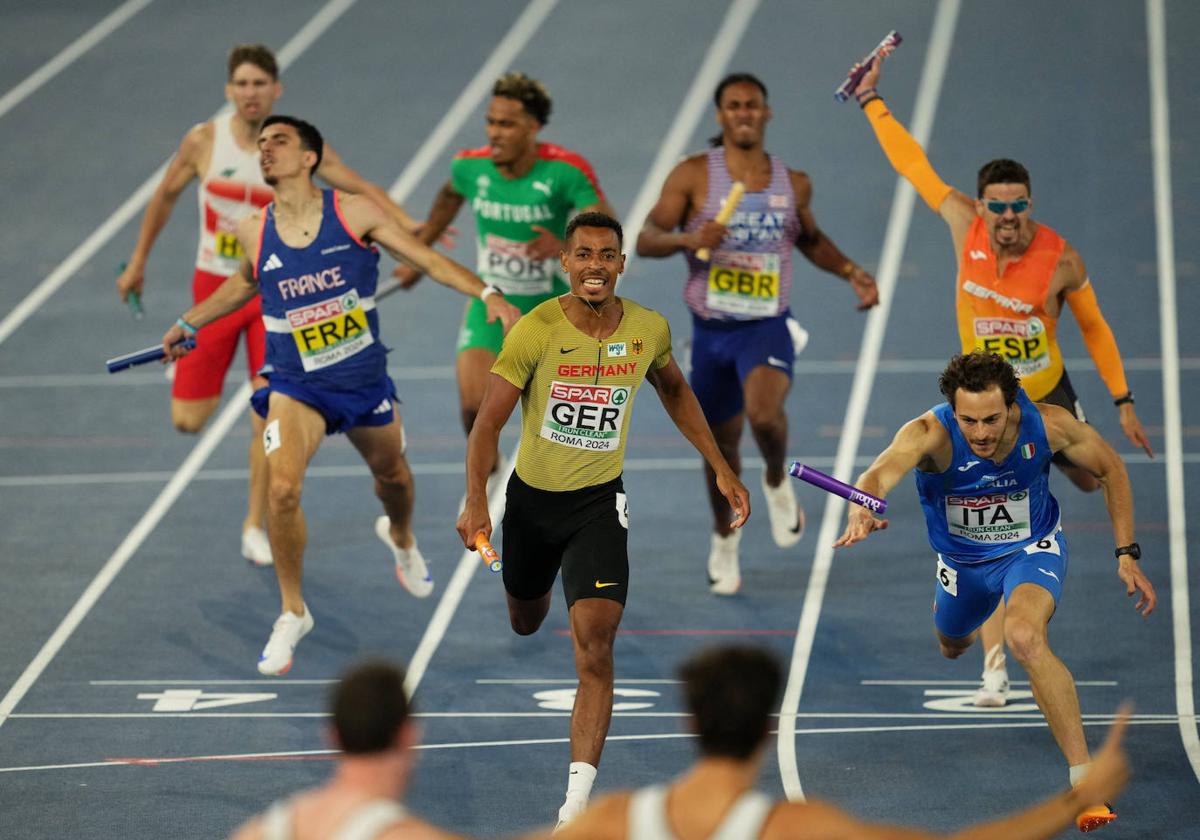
[1027, 451]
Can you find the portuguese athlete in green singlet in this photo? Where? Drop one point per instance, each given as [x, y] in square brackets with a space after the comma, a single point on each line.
[523, 192]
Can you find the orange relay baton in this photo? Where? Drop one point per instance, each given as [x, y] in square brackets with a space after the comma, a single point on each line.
[726, 213]
[490, 556]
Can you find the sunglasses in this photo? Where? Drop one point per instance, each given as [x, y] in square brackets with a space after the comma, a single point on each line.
[1001, 207]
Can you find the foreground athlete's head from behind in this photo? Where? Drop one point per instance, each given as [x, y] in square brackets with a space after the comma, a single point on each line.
[982, 389]
[592, 257]
[252, 84]
[519, 108]
[288, 147]
[742, 111]
[372, 725]
[1005, 203]
[731, 693]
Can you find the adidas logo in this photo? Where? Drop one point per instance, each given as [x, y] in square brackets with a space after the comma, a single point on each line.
[273, 262]
[384, 407]
[977, 255]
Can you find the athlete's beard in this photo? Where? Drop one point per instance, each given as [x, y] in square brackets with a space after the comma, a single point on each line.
[270, 180]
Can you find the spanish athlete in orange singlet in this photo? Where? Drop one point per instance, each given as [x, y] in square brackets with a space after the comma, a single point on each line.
[222, 154]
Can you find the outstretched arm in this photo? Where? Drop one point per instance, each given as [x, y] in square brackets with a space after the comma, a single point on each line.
[821, 251]
[684, 410]
[1084, 446]
[341, 177]
[445, 207]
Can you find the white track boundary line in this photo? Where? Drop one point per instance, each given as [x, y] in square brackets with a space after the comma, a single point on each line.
[73, 51]
[1160, 128]
[718, 55]
[133, 205]
[928, 91]
[113, 566]
[303, 39]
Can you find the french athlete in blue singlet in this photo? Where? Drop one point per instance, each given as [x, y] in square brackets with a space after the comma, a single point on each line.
[311, 255]
[981, 461]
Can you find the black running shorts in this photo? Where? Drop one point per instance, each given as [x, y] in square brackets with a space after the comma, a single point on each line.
[1063, 395]
[585, 532]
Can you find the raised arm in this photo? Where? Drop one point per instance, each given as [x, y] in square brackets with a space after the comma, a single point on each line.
[1100, 341]
[684, 410]
[185, 166]
[1084, 446]
[914, 445]
[338, 175]
[821, 251]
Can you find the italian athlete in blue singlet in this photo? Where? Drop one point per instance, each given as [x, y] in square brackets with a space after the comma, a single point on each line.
[311, 255]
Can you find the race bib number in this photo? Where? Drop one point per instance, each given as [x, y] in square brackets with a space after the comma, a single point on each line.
[1046, 545]
[947, 577]
[994, 518]
[744, 284]
[227, 246]
[1023, 342]
[507, 264]
[330, 331]
[588, 417]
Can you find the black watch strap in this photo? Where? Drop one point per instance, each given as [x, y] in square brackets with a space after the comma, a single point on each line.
[1133, 550]
[1128, 398]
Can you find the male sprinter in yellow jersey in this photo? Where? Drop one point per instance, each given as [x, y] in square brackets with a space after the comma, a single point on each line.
[1014, 275]
[576, 362]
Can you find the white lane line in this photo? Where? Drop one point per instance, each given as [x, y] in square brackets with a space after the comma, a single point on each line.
[632, 465]
[977, 715]
[418, 373]
[112, 567]
[133, 205]
[974, 683]
[498, 62]
[276, 682]
[1160, 130]
[67, 57]
[665, 736]
[928, 91]
[723, 45]
[570, 681]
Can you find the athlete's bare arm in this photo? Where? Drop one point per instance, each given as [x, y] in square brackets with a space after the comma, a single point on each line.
[821, 251]
[445, 207]
[922, 442]
[189, 162]
[1070, 284]
[684, 409]
[368, 221]
[499, 400]
[341, 177]
[682, 196]
[1084, 446]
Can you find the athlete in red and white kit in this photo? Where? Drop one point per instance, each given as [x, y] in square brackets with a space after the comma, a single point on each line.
[222, 154]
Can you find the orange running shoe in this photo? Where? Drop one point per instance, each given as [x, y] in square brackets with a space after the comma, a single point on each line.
[1097, 816]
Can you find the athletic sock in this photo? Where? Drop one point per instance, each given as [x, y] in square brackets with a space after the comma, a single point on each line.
[579, 780]
[1078, 771]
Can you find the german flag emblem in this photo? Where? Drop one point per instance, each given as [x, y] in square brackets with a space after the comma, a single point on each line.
[636, 345]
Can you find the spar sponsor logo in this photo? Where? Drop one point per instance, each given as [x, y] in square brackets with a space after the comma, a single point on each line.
[584, 416]
[329, 331]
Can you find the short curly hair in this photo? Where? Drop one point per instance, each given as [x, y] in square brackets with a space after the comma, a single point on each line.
[976, 372]
[531, 93]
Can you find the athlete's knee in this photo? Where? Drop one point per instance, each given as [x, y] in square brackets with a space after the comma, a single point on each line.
[1025, 638]
[594, 656]
[188, 422]
[765, 416]
[953, 647]
[525, 617]
[393, 474]
[283, 492]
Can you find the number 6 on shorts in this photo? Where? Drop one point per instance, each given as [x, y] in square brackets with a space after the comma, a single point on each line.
[947, 577]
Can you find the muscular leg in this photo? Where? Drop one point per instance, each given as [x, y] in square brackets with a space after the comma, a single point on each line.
[472, 367]
[382, 448]
[527, 616]
[256, 502]
[765, 390]
[594, 623]
[1029, 610]
[300, 432]
[954, 646]
[189, 416]
[728, 435]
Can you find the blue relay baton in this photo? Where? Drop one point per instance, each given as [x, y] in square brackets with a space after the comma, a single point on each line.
[141, 357]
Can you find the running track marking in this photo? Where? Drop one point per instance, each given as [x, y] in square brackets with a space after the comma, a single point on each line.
[74, 50]
[125, 213]
[1160, 129]
[928, 92]
[719, 53]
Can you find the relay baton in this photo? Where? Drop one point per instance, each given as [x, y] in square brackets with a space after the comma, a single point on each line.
[725, 214]
[838, 488]
[489, 554]
[847, 88]
[141, 357]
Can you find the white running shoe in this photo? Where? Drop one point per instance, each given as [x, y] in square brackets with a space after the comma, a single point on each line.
[785, 513]
[411, 570]
[571, 808]
[993, 692]
[724, 576]
[289, 629]
[256, 547]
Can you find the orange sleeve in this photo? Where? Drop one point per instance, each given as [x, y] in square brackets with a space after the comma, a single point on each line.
[906, 155]
[1099, 339]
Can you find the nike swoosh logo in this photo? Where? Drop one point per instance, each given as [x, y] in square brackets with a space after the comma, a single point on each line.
[567, 349]
[600, 585]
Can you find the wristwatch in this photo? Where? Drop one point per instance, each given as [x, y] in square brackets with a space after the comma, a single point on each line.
[1133, 550]
[1128, 398]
